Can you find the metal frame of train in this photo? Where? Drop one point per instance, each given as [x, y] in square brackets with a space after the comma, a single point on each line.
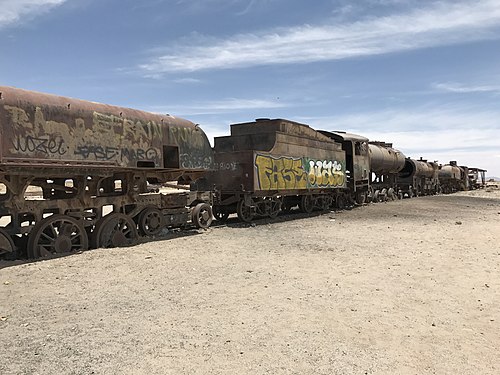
[76, 174]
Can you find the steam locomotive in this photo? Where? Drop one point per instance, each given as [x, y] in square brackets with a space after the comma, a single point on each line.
[76, 175]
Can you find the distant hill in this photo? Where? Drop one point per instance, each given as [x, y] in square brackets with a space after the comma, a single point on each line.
[493, 177]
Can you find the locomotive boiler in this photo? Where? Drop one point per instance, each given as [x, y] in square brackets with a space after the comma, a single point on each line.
[385, 164]
[66, 163]
[418, 177]
[453, 178]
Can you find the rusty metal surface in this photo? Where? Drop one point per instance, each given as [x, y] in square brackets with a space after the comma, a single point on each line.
[45, 129]
[357, 158]
[385, 159]
[418, 168]
[278, 155]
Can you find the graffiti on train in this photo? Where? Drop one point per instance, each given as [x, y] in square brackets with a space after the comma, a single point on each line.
[297, 173]
[325, 173]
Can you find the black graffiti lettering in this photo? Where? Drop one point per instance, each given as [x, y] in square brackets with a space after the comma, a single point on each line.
[97, 152]
[46, 145]
[113, 153]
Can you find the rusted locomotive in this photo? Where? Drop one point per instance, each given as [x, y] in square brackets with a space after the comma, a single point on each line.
[76, 175]
[453, 178]
[65, 163]
[385, 164]
[267, 166]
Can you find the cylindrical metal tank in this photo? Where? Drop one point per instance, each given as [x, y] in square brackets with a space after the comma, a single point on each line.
[417, 168]
[449, 171]
[386, 159]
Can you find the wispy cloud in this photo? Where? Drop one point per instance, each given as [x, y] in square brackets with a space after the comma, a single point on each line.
[469, 135]
[442, 23]
[463, 89]
[13, 11]
[222, 106]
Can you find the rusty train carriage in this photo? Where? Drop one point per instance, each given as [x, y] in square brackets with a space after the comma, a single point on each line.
[77, 174]
[267, 166]
[81, 157]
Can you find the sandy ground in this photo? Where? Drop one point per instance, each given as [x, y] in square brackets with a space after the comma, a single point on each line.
[405, 287]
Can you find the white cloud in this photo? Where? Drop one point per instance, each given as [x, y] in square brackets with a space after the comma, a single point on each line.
[13, 11]
[221, 106]
[463, 89]
[443, 23]
[470, 136]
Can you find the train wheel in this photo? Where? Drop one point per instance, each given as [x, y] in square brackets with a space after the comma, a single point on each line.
[360, 198]
[341, 202]
[202, 215]
[57, 234]
[306, 204]
[376, 195]
[114, 230]
[390, 194]
[7, 246]
[151, 221]
[244, 211]
[220, 214]
[274, 208]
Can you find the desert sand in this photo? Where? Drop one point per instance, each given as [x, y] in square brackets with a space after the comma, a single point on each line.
[404, 287]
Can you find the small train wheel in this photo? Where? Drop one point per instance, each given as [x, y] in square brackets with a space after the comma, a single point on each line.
[360, 198]
[376, 196]
[151, 221]
[202, 215]
[244, 211]
[306, 204]
[7, 246]
[56, 234]
[391, 194]
[114, 230]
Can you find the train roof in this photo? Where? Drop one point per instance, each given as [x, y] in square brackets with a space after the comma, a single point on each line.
[14, 96]
[341, 136]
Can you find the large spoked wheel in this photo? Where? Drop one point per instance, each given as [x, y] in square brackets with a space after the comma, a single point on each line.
[151, 221]
[306, 204]
[220, 213]
[7, 246]
[274, 208]
[114, 230]
[57, 234]
[244, 211]
[202, 215]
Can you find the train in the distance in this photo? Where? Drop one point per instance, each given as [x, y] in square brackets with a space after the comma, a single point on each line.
[76, 175]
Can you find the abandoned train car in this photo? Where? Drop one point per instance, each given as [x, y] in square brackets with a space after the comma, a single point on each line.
[63, 162]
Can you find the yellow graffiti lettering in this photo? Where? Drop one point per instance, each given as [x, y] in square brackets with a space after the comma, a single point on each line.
[280, 173]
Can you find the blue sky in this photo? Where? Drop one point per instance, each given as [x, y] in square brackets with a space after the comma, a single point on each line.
[424, 75]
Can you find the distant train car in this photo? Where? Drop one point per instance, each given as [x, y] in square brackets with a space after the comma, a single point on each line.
[63, 161]
[477, 178]
[453, 178]
[267, 166]
[418, 177]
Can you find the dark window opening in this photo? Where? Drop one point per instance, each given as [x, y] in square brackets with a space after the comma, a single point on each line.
[170, 157]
